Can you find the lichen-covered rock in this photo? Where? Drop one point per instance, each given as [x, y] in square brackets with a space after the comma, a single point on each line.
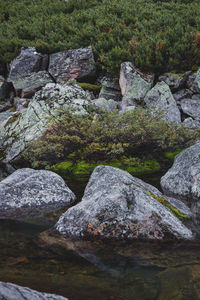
[77, 63]
[110, 89]
[5, 115]
[182, 94]
[133, 83]
[27, 126]
[27, 86]
[10, 291]
[193, 82]
[28, 61]
[160, 98]
[191, 123]
[175, 81]
[182, 180]
[191, 108]
[28, 193]
[106, 105]
[116, 205]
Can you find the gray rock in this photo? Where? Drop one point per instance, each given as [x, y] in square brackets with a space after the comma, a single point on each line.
[5, 115]
[133, 83]
[191, 123]
[52, 100]
[116, 205]
[10, 291]
[183, 179]
[6, 89]
[31, 193]
[77, 63]
[182, 94]
[110, 89]
[28, 61]
[191, 108]
[128, 104]
[160, 98]
[21, 104]
[27, 86]
[106, 105]
[175, 81]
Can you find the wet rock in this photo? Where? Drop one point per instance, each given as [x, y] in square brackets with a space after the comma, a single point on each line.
[26, 87]
[10, 291]
[175, 81]
[160, 98]
[191, 123]
[182, 180]
[28, 61]
[27, 126]
[118, 206]
[191, 108]
[77, 63]
[106, 105]
[133, 83]
[28, 193]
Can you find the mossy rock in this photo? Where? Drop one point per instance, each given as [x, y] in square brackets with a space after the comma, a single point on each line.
[90, 87]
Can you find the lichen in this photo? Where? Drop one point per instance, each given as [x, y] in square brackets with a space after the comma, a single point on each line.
[89, 86]
[173, 209]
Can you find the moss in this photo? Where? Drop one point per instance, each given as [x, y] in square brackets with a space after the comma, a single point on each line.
[171, 155]
[173, 209]
[12, 109]
[63, 167]
[90, 87]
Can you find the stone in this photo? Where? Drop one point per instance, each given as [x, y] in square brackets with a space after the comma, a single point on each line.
[26, 126]
[77, 63]
[128, 104]
[6, 89]
[28, 61]
[175, 81]
[21, 104]
[117, 206]
[31, 193]
[191, 108]
[27, 86]
[110, 89]
[133, 83]
[5, 115]
[182, 94]
[10, 291]
[160, 98]
[191, 123]
[182, 180]
[106, 105]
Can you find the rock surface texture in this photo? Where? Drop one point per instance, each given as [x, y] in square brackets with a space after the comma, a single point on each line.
[118, 206]
[28, 193]
[77, 63]
[10, 291]
[23, 128]
[160, 98]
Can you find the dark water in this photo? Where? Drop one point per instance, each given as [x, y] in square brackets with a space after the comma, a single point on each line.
[32, 257]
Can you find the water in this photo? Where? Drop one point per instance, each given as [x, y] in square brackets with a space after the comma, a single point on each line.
[80, 270]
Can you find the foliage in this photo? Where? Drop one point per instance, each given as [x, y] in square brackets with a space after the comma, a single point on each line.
[155, 35]
[105, 137]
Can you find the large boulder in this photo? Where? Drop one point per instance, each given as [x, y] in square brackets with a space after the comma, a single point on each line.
[26, 87]
[10, 291]
[160, 98]
[28, 193]
[191, 107]
[28, 61]
[134, 84]
[182, 180]
[27, 126]
[77, 63]
[116, 206]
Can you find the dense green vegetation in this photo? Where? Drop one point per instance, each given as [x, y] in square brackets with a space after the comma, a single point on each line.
[108, 137]
[155, 35]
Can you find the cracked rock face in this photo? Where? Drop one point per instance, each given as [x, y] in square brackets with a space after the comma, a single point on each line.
[160, 98]
[23, 128]
[30, 193]
[116, 206]
[77, 63]
[10, 291]
[183, 179]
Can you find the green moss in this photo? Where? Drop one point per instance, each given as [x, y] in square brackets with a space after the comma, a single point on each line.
[172, 155]
[90, 87]
[12, 109]
[63, 167]
[164, 201]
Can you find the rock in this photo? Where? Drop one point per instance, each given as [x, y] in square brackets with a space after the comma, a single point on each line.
[10, 291]
[191, 108]
[175, 81]
[31, 193]
[191, 123]
[118, 206]
[182, 180]
[52, 100]
[133, 83]
[182, 94]
[128, 104]
[106, 105]
[21, 104]
[5, 115]
[28, 61]
[110, 89]
[6, 89]
[160, 98]
[26, 87]
[78, 63]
